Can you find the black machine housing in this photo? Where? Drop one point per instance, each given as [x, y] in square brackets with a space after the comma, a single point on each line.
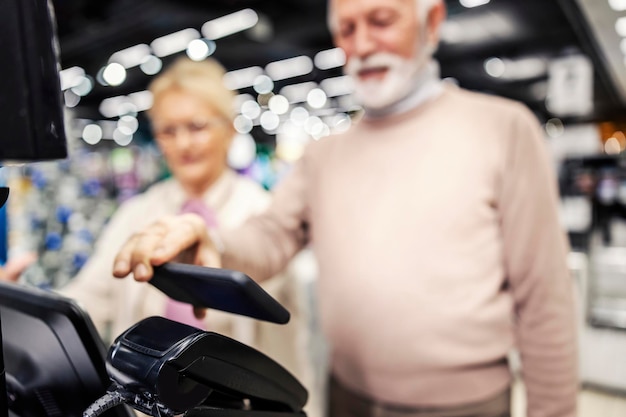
[166, 368]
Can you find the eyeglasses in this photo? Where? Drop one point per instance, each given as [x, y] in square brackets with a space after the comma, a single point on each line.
[198, 129]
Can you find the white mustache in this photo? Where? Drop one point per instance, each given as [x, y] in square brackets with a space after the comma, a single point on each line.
[382, 59]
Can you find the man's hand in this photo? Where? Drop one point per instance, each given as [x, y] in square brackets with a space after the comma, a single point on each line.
[182, 238]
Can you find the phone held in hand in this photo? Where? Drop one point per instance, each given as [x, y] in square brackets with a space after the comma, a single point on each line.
[219, 289]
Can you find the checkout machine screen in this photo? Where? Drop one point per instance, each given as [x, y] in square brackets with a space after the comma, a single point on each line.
[31, 118]
[54, 358]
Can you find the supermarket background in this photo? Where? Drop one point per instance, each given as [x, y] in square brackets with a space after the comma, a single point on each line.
[565, 59]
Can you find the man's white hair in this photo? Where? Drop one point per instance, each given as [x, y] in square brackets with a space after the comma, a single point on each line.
[421, 6]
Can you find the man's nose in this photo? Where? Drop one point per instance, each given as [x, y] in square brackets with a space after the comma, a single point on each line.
[364, 42]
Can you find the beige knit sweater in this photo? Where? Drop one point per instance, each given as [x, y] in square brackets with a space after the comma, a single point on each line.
[439, 250]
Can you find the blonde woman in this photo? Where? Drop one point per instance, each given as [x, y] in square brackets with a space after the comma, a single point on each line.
[192, 118]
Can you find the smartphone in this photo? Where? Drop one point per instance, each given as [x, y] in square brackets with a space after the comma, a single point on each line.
[219, 289]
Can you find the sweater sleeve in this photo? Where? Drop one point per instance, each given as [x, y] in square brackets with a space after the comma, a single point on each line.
[265, 243]
[535, 253]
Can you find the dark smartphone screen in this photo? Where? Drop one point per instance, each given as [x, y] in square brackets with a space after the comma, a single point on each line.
[219, 289]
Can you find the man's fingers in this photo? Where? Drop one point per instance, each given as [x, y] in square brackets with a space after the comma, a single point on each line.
[133, 256]
[145, 244]
[121, 264]
[186, 231]
[161, 242]
[135, 253]
[208, 256]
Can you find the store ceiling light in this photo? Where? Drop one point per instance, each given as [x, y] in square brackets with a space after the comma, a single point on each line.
[278, 104]
[92, 134]
[330, 58]
[108, 127]
[242, 78]
[128, 124]
[313, 125]
[620, 26]
[117, 106]
[83, 87]
[478, 28]
[131, 57]
[525, 68]
[251, 109]
[297, 93]
[71, 99]
[519, 69]
[612, 146]
[142, 100]
[127, 109]
[242, 151]
[338, 86]
[322, 133]
[451, 32]
[114, 74]
[618, 5]
[299, 116]
[473, 3]
[495, 67]
[270, 121]
[229, 24]
[621, 137]
[316, 98]
[289, 68]
[341, 123]
[240, 99]
[554, 128]
[174, 42]
[151, 65]
[243, 124]
[263, 31]
[109, 106]
[199, 49]
[263, 84]
[122, 138]
[348, 103]
[291, 140]
[70, 77]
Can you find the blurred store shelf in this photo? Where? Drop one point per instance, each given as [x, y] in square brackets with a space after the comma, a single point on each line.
[602, 342]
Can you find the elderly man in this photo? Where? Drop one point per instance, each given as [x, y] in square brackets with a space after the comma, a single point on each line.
[434, 222]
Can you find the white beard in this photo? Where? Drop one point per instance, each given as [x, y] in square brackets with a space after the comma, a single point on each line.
[396, 83]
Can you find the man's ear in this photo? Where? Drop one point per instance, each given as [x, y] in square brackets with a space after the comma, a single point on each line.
[436, 16]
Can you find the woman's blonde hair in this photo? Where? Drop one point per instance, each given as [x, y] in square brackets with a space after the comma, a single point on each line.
[204, 79]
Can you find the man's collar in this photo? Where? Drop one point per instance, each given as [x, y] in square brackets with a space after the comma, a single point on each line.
[427, 85]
